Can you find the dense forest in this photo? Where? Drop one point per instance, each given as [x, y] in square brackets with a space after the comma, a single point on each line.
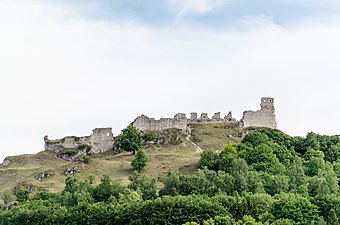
[269, 178]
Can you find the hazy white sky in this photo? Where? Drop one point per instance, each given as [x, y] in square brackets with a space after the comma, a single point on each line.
[67, 67]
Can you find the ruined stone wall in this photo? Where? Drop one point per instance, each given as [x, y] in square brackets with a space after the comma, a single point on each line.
[179, 121]
[265, 117]
[101, 140]
[146, 123]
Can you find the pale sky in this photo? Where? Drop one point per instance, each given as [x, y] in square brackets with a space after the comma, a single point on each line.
[69, 66]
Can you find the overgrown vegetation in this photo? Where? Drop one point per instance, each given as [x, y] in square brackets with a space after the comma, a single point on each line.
[269, 178]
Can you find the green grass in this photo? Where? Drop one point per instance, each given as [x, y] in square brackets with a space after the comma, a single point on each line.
[215, 136]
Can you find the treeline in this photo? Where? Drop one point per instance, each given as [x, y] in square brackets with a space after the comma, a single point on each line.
[270, 178]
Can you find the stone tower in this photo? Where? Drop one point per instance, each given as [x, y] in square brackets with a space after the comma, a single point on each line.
[265, 117]
[267, 103]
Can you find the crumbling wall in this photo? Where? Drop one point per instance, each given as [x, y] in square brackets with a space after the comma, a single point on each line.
[215, 118]
[179, 121]
[265, 117]
[146, 123]
[101, 140]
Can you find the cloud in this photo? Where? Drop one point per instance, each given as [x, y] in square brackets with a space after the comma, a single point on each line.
[196, 6]
[65, 74]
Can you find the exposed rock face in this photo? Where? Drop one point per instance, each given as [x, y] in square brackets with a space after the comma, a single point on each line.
[71, 147]
[29, 186]
[44, 175]
[71, 171]
[6, 162]
[265, 117]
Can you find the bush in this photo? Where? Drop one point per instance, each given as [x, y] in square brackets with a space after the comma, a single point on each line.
[209, 159]
[149, 135]
[139, 162]
[85, 147]
[86, 159]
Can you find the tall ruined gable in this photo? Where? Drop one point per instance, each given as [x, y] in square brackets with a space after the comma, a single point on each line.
[265, 117]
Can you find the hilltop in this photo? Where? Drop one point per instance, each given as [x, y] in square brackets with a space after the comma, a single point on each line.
[177, 145]
[182, 154]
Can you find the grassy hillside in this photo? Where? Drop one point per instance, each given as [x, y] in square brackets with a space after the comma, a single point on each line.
[162, 158]
[215, 136]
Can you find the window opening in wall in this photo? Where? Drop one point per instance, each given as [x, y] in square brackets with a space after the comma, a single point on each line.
[108, 134]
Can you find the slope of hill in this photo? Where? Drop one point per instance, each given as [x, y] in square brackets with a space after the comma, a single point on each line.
[182, 155]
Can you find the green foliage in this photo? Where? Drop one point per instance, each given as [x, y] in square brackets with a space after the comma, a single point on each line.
[131, 139]
[276, 184]
[228, 154]
[22, 194]
[70, 152]
[6, 197]
[179, 210]
[270, 178]
[296, 208]
[108, 188]
[139, 162]
[333, 218]
[87, 159]
[283, 222]
[85, 147]
[239, 170]
[144, 185]
[296, 173]
[209, 159]
[149, 135]
[255, 138]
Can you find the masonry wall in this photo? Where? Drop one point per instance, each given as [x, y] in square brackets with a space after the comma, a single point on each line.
[101, 140]
[265, 117]
[145, 123]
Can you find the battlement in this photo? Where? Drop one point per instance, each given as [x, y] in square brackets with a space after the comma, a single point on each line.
[179, 121]
[265, 117]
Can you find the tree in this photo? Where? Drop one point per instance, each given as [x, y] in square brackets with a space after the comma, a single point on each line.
[139, 162]
[239, 170]
[131, 139]
[108, 188]
[146, 186]
[296, 173]
[209, 159]
[296, 208]
[22, 194]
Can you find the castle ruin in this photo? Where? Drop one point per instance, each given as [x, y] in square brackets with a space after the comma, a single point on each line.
[265, 117]
[179, 121]
[101, 140]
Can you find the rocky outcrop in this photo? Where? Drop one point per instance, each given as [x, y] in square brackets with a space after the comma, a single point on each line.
[44, 175]
[71, 171]
[7, 161]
